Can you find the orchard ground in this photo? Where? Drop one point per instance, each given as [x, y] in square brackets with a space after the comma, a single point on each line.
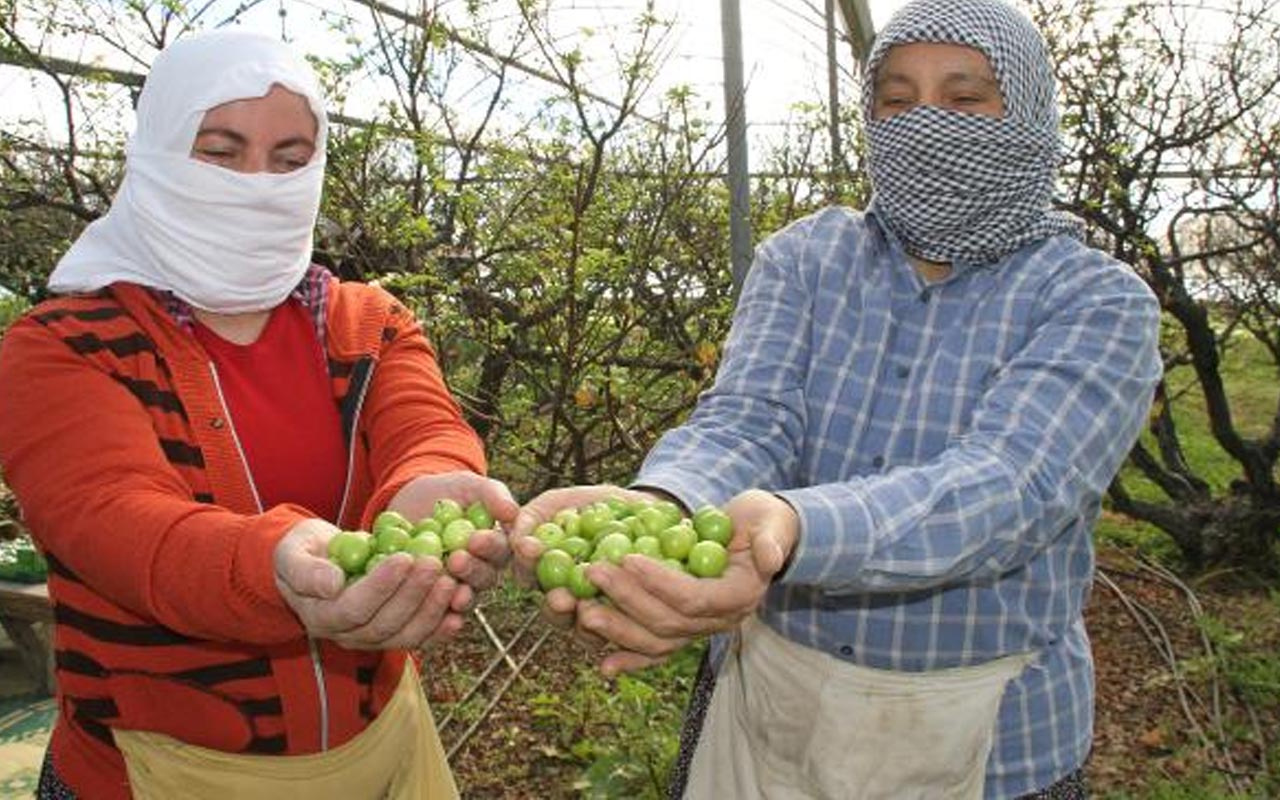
[561, 730]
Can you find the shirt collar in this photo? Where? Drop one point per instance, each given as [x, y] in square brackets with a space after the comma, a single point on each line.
[312, 292]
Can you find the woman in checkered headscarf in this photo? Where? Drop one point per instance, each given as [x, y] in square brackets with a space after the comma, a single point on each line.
[917, 414]
[962, 124]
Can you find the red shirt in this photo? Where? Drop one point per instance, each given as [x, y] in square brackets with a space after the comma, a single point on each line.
[279, 397]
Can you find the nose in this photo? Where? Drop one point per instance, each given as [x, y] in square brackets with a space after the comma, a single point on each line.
[255, 160]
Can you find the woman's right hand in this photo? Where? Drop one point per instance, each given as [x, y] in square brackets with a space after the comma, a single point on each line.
[404, 603]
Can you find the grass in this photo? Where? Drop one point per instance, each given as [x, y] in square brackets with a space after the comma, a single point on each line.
[624, 736]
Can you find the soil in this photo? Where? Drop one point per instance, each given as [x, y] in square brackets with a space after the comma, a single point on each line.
[1142, 735]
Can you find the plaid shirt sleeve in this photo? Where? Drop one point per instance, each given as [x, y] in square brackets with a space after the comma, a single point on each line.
[1051, 431]
[749, 428]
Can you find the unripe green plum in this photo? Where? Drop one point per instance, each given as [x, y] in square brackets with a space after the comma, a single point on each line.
[426, 544]
[677, 541]
[350, 550]
[707, 559]
[580, 585]
[446, 511]
[713, 525]
[612, 548]
[456, 534]
[554, 568]
[479, 516]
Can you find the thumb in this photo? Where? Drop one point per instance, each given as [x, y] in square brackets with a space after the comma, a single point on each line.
[501, 503]
[526, 520]
[767, 551]
[308, 575]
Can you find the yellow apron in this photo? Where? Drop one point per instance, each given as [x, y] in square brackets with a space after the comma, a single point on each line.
[399, 756]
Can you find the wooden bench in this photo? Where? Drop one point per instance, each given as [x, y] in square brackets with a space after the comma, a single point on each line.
[27, 617]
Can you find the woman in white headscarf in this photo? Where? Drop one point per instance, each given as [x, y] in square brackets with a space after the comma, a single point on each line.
[187, 426]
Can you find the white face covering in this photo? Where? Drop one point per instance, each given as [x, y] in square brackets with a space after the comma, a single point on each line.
[223, 241]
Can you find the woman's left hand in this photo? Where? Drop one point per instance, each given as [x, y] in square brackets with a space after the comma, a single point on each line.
[477, 567]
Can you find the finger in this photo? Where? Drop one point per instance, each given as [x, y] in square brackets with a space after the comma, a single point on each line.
[626, 633]
[726, 599]
[622, 661]
[582, 635]
[381, 602]
[491, 547]
[359, 602]
[471, 570]
[307, 575]
[589, 639]
[527, 551]
[497, 498]
[544, 507]
[539, 510]
[446, 630]
[426, 618]
[767, 552]
[559, 608]
[464, 599]
[633, 597]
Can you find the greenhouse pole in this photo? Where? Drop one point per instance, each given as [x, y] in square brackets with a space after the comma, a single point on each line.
[735, 105]
[858, 27]
[833, 97]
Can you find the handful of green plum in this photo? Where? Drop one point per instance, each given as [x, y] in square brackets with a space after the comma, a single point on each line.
[449, 528]
[611, 529]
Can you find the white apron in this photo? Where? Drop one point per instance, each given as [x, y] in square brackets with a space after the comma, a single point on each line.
[787, 721]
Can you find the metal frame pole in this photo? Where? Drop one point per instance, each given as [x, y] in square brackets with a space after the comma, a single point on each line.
[735, 104]
[833, 94]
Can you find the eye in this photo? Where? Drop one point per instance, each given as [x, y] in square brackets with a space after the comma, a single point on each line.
[895, 103]
[290, 163]
[214, 152]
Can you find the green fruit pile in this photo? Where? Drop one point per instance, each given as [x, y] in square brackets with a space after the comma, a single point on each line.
[21, 561]
[612, 529]
[448, 528]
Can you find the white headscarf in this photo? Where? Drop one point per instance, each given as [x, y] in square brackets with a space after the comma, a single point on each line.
[221, 240]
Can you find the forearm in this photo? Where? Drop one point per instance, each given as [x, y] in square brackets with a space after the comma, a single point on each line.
[100, 496]
[730, 443]
[413, 425]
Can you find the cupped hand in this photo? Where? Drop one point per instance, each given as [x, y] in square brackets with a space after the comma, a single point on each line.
[560, 605]
[478, 566]
[403, 603]
[654, 610]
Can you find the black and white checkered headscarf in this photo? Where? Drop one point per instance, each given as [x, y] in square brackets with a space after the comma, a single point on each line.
[968, 188]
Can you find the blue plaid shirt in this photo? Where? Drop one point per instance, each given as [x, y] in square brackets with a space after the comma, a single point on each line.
[946, 447]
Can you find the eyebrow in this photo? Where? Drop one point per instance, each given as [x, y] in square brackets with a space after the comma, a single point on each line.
[950, 78]
[227, 132]
[239, 138]
[293, 141]
[969, 77]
